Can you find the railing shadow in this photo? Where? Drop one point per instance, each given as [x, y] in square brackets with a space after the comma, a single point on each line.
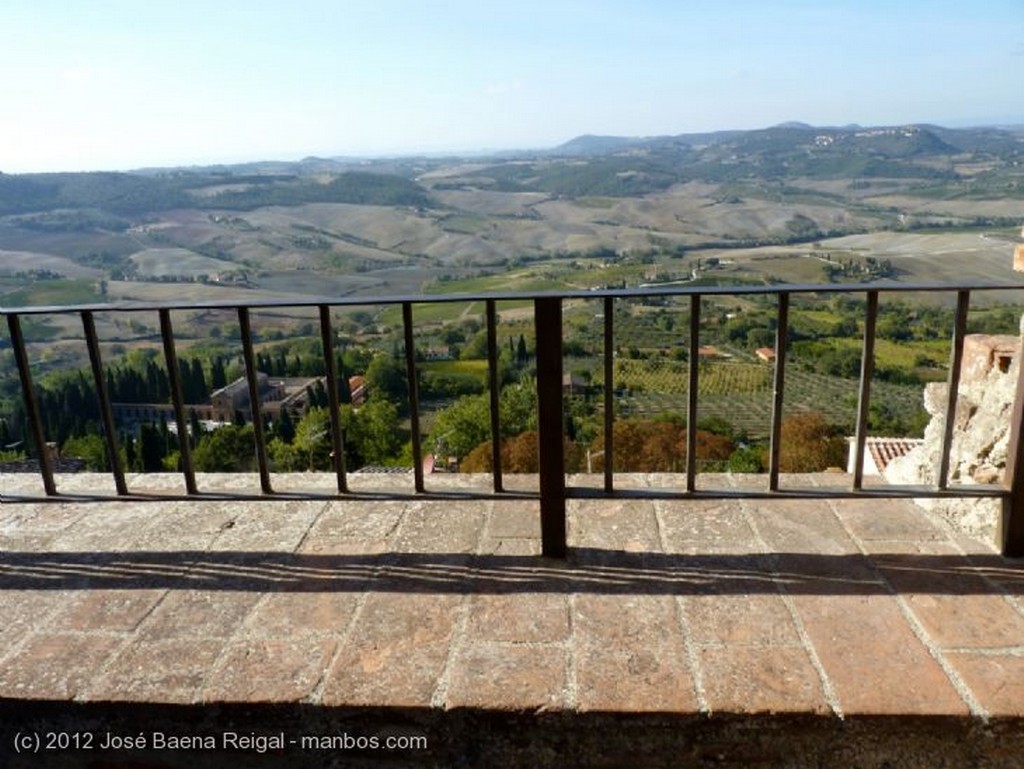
[587, 570]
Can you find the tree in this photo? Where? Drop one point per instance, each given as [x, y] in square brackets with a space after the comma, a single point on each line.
[344, 390]
[809, 444]
[313, 439]
[218, 377]
[227, 449]
[519, 454]
[461, 426]
[92, 449]
[200, 392]
[386, 378]
[378, 431]
[284, 428]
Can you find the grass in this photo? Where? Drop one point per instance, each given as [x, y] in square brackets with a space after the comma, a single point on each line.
[476, 367]
[53, 292]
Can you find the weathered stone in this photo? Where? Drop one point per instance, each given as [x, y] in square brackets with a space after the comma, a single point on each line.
[981, 433]
[983, 352]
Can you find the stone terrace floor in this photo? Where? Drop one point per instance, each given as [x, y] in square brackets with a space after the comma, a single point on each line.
[413, 611]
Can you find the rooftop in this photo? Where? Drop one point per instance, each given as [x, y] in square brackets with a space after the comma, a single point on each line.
[728, 632]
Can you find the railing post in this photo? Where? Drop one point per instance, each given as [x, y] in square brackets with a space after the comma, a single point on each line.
[1010, 536]
[867, 370]
[956, 359]
[691, 394]
[775, 447]
[103, 398]
[31, 404]
[609, 395]
[331, 372]
[174, 380]
[548, 324]
[414, 397]
[494, 388]
[252, 379]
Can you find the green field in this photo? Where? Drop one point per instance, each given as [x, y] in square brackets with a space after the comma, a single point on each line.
[741, 394]
[20, 293]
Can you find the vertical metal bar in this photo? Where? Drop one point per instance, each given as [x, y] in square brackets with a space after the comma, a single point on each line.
[495, 392]
[254, 399]
[691, 395]
[956, 358]
[779, 386]
[414, 397]
[1010, 534]
[174, 380]
[867, 371]
[103, 397]
[31, 404]
[609, 395]
[331, 369]
[550, 425]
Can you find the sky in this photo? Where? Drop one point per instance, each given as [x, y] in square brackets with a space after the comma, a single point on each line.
[121, 84]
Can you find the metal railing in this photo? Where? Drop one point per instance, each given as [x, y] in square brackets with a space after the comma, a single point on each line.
[553, 491]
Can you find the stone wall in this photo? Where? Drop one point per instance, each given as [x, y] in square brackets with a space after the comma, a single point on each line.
[981, 433]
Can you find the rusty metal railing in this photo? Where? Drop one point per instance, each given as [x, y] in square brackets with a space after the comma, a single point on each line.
[554, 490]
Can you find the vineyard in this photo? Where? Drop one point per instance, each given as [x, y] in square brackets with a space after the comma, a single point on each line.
[672, 377]
[741, 393]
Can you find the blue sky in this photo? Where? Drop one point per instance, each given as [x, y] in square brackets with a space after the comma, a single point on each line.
[115, 84]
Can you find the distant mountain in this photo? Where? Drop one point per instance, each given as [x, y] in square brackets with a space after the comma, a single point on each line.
[588, 144]
[589, 165]
[887, 141]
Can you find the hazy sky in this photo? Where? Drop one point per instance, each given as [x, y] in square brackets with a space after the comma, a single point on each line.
[112, 84]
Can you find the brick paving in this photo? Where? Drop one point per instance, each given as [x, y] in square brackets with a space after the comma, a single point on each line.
[834, 608]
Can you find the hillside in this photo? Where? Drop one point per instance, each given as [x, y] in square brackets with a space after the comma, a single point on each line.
[396, 225]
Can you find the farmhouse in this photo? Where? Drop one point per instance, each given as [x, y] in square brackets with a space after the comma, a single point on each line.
[879, 452]
[765, 354]
[275, 393]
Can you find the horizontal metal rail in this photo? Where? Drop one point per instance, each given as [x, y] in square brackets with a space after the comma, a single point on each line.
[548, 306]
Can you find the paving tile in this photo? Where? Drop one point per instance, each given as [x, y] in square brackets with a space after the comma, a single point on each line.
[120, 528]
[348, 526]
[799, 526]
[508, 677]
[895, 520]
[996, 680]
[1006, 573]
[761, 680]
[705, 526]
[510, 546]
[157, 671]
[55, 666]
[956, 606]
[866, 646]
[513, 520]
[827, 574]
[739, 620]
[449, 527]
[627, 525]
[194, 526]
[968, 621]
[630, 655]
[518, 617]
[397, 652]
[262, 670]
[110, 610]
[22, 611]
[282, 615]
[198, 614]
[270, 526]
